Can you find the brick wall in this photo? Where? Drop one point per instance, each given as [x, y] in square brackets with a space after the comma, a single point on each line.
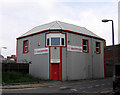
[108, 51]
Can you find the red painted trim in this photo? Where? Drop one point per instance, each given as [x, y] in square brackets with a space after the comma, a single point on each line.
[45, 40]
[60, 65]
[16, 50]
[24, 46]
[65, 40]
[50, 65]
[104, 60]
[87, 46]
[49, 32]
[58, 32]
[99, 48]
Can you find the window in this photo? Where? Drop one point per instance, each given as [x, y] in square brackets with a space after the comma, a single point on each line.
[62, 41]
[25, 46]
[48, 42]
[55, 41]
[85, 46]
[98, 51]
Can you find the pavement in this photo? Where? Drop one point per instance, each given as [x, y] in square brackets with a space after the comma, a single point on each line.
[79, 86]
[45, 84]
[41, 84]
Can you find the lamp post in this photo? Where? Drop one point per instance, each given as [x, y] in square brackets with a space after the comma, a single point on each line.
[106, 20]
[114, 71]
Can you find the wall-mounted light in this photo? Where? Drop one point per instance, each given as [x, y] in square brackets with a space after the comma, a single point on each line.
[30, 62]
[38, 43]
[68, 41]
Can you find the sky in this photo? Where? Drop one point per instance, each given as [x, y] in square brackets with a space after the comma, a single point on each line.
[19, 16]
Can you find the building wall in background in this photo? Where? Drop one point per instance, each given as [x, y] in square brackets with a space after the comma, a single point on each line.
[109, 59]
[119, 22]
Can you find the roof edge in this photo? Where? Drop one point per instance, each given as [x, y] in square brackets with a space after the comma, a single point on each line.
[59, 30]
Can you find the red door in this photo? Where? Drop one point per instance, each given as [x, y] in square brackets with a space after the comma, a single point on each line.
[55, 71]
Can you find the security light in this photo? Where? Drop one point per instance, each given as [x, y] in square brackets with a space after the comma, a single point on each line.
[105, 20]
[4, 47]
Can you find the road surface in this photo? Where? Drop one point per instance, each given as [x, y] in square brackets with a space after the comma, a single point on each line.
[93, 86]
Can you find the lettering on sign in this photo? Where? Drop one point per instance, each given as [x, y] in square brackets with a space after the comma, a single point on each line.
[41, 51]
[74, 48]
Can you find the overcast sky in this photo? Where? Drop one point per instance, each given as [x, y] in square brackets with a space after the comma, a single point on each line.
[19, 16]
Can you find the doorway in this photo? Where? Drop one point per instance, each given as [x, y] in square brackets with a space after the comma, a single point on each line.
[55, 71]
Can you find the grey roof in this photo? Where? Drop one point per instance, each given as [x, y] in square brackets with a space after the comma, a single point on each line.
[60, 25]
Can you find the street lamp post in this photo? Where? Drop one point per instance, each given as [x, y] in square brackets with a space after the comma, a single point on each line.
[113, 48]
[105, 20]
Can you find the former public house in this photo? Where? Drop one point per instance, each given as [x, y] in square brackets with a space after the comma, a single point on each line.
[62, 51]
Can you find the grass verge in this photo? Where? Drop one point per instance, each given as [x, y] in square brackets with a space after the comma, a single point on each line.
[17, 77]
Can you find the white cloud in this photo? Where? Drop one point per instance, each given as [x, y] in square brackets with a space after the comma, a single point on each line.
[91, 19]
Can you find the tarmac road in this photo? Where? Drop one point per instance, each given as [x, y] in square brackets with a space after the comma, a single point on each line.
[86, 86]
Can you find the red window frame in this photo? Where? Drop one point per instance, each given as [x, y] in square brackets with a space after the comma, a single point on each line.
[24, 42]
[85, 51]
[98, 47]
